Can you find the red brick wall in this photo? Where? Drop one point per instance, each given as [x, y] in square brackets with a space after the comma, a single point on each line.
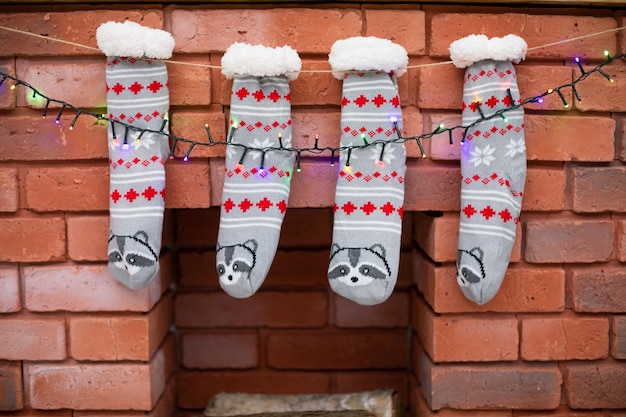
[75, 343]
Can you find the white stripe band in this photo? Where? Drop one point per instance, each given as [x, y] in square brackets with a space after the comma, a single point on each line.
[485, 227]
[489, 196]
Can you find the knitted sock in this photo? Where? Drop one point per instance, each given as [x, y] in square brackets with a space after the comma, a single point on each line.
[137, 94]
[256, 184]
[369, 196]
[493, 162]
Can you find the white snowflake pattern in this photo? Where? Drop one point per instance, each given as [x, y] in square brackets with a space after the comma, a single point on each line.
[482, 156]
[388, 155]
[515, 146]
[145, 142]
[258, 144]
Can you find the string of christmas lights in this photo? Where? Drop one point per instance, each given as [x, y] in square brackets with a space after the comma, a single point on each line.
[116, 125]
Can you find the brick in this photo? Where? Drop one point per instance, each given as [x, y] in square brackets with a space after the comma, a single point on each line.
[567, 141]
[271, 309]
[33, 338]
[7, 95]
[189, 80]
[191, 125]
[392, 313]
[34, 138]
[83, 289]
[313, 173]
[598, 189]
[448, 27]
[214, 350]
[80, 82]
[87, 238]
[197, 269]
[195, 387]
[432, 96]
[197, 227]
[620, 225]
[348, 382]
[78, 27]
[438, 237]
[598, 94]
[10, 298]
[621, 151]
[299, 223]
[314, 88]
[562, 411]
[439, 148]
[405, 27]
[120, 337]
[470, 338]
[593, 289]
[618, 336]
[535, 80]
[413, 125]
[432, 186]
[544, 189]
[524, 289]
[595, 385]
[27, 411]
[494, 386]
[126, 386]
[420, 408]
[566, 138]
[568, 239]
[287, 274]
[307, 124]
[564, 337]
[199, 31]
[8, 189]
[11, 391]
[337, 350]
[75, 188]
[183, 192]
[32, 239]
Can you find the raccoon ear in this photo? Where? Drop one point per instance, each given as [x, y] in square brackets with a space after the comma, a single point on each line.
[141, 236]
[478, 253]
[334, 249]
[111, 235]
[378, 249]
[218, 246]
[251, 244]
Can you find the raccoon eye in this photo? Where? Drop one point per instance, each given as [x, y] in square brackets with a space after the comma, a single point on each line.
[118, 257]
[365, 270]
[221, 269]
[235, 267]
[132, 259]
[343, 271]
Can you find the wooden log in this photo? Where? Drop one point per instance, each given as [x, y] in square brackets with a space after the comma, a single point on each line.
[380, 403]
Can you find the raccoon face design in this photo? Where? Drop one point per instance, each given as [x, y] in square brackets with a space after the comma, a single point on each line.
[236, 261]
[358, 266]
[131, 253]
[469, 266]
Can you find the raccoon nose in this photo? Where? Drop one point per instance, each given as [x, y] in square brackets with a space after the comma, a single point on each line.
[354, 279]
[230, 277]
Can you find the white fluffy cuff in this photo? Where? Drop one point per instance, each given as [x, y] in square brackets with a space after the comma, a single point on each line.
[260, 61]
[473, 48]
[130, 39]
[366, 54]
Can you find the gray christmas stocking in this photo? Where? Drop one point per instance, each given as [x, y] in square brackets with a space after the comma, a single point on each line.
[137, 95]
[369, 197]
[493, 161]
[256, 184]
